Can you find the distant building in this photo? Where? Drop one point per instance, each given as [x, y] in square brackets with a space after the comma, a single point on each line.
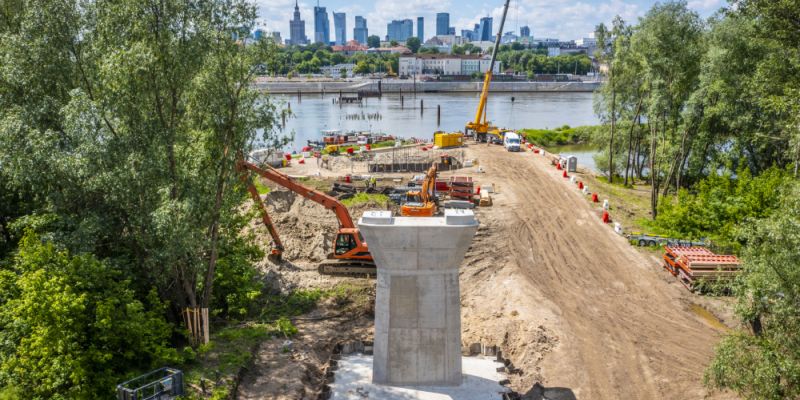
[553, 51]
[451, 30]
[590, 44]
[445, 64]
[258, 34]
[442, 24]
[525, 31]
[468, 35]
[421, 29]
[508, 37]
[389, 50]
[484, 29]
[336, 70]
[322, 27]
[399, 30]
[340, 27]
[297, 28]
[350, 48]
[360, 32]
[276, 37]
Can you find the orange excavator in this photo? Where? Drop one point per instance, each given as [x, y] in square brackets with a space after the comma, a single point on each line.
[350, 256]
[422, 203]
[479, 127]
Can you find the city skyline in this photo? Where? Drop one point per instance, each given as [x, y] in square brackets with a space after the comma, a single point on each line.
[566, 20]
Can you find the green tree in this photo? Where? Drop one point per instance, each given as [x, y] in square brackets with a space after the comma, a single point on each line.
[413, 43]
[393, 43]
[362, 68]
[71, 327]
[373, 41]
[764, 362]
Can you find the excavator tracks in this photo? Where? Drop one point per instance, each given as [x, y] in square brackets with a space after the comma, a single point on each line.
[348, 268]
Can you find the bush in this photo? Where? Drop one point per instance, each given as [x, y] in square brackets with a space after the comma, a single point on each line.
[71, 327]
[560, 136]
[365, 198]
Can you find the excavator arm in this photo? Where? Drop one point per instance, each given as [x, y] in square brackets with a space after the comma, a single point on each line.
[277, 248]
[331, 203]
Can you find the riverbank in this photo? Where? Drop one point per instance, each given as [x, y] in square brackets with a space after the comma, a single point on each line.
[411, 86]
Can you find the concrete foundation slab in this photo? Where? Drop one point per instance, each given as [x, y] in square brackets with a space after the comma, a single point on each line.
[353, 381]
[417, 305]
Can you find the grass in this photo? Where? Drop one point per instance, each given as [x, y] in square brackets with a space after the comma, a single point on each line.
[261, 187]
[367, 198]
[215, 365]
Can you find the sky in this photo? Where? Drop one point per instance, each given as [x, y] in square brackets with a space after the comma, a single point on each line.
[561, 19]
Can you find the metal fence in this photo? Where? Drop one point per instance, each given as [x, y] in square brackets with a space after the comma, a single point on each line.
[162, 384]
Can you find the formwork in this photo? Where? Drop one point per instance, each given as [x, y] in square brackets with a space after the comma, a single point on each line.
[696, 265]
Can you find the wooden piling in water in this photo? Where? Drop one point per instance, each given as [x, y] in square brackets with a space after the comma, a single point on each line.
[438, 114]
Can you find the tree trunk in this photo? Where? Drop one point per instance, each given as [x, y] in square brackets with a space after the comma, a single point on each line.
[630, 141]
[613, 128]
[653, 174]
[208, 281]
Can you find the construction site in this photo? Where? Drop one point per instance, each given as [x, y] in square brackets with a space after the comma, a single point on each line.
[487, 268]
[575, 309]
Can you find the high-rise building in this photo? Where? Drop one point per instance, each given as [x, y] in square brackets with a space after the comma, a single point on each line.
[400, 30]
[421, 29]
[360, 32]
[340, 27]
[442, 23]
[525, 31]
[297, 28]
[451, 30]
[485, 29]
[322, 26]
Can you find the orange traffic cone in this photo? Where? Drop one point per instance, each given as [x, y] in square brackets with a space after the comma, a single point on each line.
[606, 217]
[594, 198]
[565, 174]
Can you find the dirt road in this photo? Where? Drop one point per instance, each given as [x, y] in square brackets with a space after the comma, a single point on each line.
[575, 306]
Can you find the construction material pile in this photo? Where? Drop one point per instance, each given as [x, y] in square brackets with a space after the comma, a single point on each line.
[697, 266]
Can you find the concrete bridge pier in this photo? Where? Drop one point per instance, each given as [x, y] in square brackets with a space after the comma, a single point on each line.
[417, 305]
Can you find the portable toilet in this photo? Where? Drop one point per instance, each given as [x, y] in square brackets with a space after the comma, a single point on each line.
[571, 163]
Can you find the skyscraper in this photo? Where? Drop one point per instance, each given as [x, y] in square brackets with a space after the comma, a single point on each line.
[421, 29]
[340, 27]
[297, 28]
[485, 29]
[442, 23]
[322, 27]
[451, 30]
[360, 32]
[525, 31]
[400, 30]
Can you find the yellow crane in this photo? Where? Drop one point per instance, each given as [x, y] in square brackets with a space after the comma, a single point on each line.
[480, 127]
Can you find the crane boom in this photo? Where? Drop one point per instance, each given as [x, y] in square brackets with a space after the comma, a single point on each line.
[488, 76]
[329, 202]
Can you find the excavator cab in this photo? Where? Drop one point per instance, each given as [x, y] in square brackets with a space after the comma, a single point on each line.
[344, 243]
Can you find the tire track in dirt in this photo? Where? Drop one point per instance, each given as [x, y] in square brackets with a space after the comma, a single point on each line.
[623, 332]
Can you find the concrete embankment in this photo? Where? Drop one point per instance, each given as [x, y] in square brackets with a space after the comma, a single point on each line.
[409, 86]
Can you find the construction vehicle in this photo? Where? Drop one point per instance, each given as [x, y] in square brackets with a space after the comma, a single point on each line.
[422, 203]
[480, 128]
[350, 256]
[696, 266]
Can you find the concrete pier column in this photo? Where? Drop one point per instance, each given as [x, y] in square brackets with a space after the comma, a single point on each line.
[417, 304]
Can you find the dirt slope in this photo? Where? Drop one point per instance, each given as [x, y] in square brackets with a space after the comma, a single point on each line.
[576, 307]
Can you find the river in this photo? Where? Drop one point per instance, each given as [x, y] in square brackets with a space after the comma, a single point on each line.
[312, 113]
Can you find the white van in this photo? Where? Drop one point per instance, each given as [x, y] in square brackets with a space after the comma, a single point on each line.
[511, 141]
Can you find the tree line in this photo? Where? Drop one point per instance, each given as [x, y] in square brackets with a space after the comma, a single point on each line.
[707, 114]
[120, 203]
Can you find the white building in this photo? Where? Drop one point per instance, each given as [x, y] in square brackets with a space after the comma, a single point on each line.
[336, 70]
[445, 64]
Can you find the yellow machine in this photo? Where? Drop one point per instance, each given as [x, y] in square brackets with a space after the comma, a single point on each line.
[444, 140]
[480, 128]
[422, 203]
[332, 149]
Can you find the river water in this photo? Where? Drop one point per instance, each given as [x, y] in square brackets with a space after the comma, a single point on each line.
[313, 113]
